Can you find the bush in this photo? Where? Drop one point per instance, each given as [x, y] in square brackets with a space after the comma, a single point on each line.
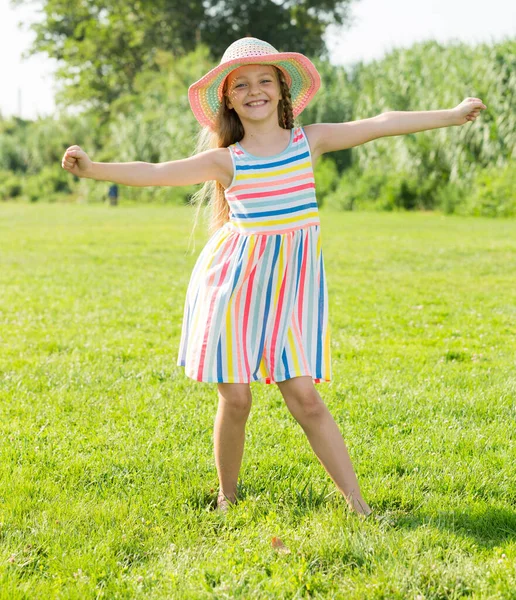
[380, 190]
[96, 192]
[450, 197]
[49, 184]
[11, 185]
[493, 193]
[326, 178]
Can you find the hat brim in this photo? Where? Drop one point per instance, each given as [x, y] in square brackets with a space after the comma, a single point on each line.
[303, 79]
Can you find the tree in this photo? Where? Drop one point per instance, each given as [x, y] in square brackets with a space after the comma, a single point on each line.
[103, 45]
[287, 25]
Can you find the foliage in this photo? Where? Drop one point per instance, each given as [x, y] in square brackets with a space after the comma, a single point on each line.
[493, 194]
[325, 174]
[154, 124]
[412, 79]
[27, 146]
[286, 24]
[103, 45]
[332, 104]
[50, 184]
[11, 185]
[434, 169]
[376, 189]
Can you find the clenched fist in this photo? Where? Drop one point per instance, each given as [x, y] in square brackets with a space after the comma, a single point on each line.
[467, 110]
[76, 161]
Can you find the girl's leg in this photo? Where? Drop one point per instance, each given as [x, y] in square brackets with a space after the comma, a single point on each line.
[229, 434]
[307, 407]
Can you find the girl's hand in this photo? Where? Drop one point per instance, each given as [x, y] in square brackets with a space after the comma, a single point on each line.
[467, 110]
[76, 161]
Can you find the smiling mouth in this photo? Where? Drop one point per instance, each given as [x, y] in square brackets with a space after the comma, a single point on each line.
[256, 103]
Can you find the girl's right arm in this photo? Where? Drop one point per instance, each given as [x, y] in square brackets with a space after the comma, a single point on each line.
[211, 164]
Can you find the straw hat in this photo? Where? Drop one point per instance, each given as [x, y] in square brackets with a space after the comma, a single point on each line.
[205, 95]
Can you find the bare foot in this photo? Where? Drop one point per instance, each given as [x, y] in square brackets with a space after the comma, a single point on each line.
[359, 506]
[223, 503]
[364, 511]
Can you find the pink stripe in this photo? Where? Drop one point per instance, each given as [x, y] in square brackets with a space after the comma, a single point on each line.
[249, 295]
[296, 188]
[230, 248]
[296, 322]
[237, 345]
[279, 310]
[297, 333]
[246, 186]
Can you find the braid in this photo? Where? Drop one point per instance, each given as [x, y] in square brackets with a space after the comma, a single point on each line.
[285, 111]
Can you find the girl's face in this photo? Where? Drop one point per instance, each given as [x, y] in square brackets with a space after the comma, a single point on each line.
[253, 91]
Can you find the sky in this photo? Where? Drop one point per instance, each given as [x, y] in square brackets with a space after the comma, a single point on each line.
[377, 26]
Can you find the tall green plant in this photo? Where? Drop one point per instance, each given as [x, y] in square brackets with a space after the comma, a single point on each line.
[431, 76]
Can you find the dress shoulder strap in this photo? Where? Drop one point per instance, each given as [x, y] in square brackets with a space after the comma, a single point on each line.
[235, 151]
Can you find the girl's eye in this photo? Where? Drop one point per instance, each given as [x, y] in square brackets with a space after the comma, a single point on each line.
[262, 81]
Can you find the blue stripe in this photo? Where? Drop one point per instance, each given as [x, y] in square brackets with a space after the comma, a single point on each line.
[239, 266]
[272, 213]
[273, 164]
[219, 362]
[318, 361]
[272, 202]
[285, 362]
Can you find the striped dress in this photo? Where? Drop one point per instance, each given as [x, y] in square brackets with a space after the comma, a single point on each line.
[256, 306]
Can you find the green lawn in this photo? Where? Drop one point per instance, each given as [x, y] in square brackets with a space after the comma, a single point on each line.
[107, 474]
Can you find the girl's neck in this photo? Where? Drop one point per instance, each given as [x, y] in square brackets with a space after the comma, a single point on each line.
[271, 140]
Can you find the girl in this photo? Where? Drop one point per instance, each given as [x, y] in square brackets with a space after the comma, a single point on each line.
[256, 307]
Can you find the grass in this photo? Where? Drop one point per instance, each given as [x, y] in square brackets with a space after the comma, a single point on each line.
[107, 475]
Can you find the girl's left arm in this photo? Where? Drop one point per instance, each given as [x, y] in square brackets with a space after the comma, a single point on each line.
[329, 137]
[399, 122]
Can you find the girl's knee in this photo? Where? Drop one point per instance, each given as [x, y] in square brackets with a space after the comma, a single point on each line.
[235, 396]
[301, 397]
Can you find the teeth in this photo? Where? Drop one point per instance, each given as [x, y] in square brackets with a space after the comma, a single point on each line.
[257, 103]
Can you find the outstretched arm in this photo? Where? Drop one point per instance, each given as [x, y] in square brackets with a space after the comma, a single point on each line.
[329, 137]
[209, 165]
[400, 122]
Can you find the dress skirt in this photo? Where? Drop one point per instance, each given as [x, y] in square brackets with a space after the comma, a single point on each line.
[256, 309]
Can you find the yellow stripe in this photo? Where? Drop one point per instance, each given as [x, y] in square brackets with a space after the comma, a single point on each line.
[219, 244]
[229, 340]
[297, 370]
[263, 370]
[284, 221]
[252, 245]
[274, 173]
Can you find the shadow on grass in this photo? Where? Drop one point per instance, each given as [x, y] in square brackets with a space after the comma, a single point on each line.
[488, 527]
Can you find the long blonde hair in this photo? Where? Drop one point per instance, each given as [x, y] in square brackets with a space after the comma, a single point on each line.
[228, 130]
